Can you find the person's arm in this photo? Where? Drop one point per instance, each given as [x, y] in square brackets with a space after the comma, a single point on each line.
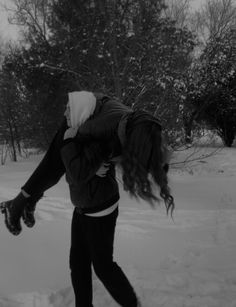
[50, 169]
[47, 174]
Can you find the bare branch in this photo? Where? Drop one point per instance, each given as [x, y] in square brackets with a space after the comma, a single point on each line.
[59, 69]
[178, 10]
[196, 155]
[29, 14]
[214, 18]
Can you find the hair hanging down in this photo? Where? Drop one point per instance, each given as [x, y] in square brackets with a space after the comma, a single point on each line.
[144, 160]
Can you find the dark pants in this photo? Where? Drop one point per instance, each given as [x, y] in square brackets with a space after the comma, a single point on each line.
[92, 241]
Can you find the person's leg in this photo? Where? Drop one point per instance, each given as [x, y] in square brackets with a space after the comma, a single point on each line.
[100, 235]
[80, 264]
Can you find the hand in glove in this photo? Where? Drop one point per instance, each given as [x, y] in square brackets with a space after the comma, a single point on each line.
[103, 169]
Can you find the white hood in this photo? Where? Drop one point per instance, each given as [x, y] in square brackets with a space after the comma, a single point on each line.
[82, 105]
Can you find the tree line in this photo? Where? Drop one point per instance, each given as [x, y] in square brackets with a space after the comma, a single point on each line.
[154, 55]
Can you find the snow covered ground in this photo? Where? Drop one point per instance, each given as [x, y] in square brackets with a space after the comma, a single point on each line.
[185, 262]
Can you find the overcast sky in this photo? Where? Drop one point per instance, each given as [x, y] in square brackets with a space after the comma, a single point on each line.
[8, 31]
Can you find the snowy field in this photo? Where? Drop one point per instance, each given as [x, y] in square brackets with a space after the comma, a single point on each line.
[185, 262]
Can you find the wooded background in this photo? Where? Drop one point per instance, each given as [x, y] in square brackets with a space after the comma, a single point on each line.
[156, 55]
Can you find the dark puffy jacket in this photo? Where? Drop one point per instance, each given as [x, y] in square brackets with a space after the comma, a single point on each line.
[52, 168]
[94, 194]
[89, 192]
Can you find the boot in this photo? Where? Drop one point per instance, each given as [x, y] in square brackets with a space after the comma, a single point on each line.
[29, 210]
[16, 208]
[28, 215]
[12, 210]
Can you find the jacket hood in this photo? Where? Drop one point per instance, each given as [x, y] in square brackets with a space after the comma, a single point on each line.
[82, 105]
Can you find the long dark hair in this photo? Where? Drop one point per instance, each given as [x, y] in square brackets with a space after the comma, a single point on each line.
[144, 160]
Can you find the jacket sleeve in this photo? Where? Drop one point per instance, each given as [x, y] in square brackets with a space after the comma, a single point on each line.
[50, 169]
[81, 161]
[103, 125]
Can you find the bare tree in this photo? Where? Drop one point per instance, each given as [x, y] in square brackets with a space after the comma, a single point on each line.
[31, 15]
[178, 10]
[214, 19]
